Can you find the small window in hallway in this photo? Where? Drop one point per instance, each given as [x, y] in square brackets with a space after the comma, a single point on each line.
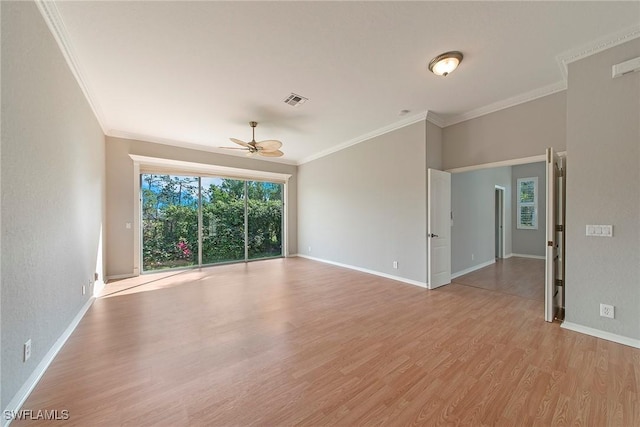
[528, 203]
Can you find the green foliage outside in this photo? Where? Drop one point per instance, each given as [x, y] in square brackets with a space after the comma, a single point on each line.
[527, 191]
[170, 220]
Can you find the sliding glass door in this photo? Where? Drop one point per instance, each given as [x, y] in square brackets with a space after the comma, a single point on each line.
[264, 224]
[222, 220]
[193, 221]
[169, 221]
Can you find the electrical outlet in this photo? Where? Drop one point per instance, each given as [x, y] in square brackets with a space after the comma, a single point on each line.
[27, 350]
[395, 264]
[84, 289]
[473, 257]
[607, 310]
[309, 249]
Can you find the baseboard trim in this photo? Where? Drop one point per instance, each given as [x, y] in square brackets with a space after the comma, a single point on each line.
[601, 334]
[98, 286]
[528, 256]
[366, 270]
[21, 396]
[120, 276]
[472, 269]
[507, 256]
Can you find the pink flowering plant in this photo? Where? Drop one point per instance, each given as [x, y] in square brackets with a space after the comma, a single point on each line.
[184, 248]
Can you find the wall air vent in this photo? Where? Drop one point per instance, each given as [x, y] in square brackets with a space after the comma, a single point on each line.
[295, 100]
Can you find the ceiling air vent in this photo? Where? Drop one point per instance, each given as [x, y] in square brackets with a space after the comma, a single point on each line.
[295, 100]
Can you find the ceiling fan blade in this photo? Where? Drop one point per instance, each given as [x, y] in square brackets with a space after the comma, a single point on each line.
[269, 145]
[234, 148]
[276, 153]
[237, 141]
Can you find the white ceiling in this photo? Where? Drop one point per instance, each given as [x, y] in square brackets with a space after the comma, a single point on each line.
[195, 73]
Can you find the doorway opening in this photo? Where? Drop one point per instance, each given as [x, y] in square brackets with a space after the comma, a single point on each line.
[500, 233]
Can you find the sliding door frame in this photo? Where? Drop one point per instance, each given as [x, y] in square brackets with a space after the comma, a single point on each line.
[200, 234]
[246, 222]
[151, 165]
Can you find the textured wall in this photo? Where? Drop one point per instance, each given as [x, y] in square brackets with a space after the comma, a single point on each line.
[434, 146]
[365, 206]
[120, 194]
[524, 130]
[473, 206]
[530, 242]
[52, 193]
[603, 177]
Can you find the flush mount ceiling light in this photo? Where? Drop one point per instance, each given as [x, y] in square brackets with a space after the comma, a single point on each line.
[445, 63]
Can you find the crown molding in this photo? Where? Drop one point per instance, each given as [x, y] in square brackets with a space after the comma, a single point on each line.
[563, 60]
[367, 136]
[435, 119]
[51, 15]
[604, 43]
[54, 21]
[189, 145]
[506, 103]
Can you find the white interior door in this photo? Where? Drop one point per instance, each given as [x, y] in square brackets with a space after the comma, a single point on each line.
[555, 234]
[438, 228]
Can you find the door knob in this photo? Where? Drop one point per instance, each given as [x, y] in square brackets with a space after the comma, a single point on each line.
[433, 235]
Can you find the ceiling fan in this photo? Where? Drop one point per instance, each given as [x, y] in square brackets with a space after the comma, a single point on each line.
[267, 148]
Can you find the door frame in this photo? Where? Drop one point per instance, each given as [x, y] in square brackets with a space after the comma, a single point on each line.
[515, 162]
[502, 190]
[555, 235]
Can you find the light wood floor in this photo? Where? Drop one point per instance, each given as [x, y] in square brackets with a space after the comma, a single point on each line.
[293, 341]
[523, 277]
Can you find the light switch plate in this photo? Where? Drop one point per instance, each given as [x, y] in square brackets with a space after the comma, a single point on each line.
[599, 230]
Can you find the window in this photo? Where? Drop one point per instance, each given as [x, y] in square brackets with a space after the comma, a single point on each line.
[528, 203]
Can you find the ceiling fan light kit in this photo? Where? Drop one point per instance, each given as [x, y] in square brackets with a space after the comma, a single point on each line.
[267, 148]
[445, 63]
